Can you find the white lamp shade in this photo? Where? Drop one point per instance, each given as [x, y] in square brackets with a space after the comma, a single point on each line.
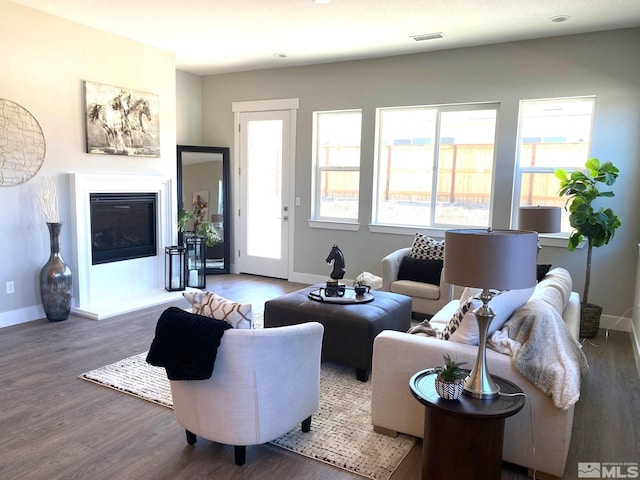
[497, 259]
[539, 219]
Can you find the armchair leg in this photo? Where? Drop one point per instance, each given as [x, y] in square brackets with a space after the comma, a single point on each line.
[362, 374]
[306, 424]
[191, 437]
[240, 454]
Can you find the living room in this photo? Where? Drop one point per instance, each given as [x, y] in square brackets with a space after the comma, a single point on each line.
[603, 64]
[48, 58]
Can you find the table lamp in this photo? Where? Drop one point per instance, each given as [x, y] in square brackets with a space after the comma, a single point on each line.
[491, 260]
[541, 219]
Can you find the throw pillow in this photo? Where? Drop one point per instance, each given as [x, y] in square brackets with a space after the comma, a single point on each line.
[463, 326]
[424, 271]
[426, 248]
[209, 304]
[542, 270]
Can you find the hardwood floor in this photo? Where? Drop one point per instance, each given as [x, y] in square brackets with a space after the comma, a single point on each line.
[56, 426]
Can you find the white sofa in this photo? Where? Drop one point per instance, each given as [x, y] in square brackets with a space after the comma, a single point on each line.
[397, 356]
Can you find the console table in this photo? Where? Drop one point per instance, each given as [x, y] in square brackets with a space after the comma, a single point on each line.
[463, 438]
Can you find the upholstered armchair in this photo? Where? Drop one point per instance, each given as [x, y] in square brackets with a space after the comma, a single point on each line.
[427, 297]
[264, 382]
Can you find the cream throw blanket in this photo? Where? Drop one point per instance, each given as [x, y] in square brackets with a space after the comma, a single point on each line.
[543, 351]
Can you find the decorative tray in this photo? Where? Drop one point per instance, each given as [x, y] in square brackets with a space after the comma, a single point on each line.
[349, 297]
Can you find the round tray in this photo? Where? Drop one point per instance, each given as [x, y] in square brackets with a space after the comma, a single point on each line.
[349, 297]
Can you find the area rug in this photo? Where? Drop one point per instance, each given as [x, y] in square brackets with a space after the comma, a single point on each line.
[341, 432]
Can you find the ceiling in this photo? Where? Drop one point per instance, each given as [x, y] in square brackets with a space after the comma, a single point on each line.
[220, 36]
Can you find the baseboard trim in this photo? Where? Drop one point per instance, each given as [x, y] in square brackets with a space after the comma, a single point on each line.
[620, 324]
[635, 345]
[22, 315]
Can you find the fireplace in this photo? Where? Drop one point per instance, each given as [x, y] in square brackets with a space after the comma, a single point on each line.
[123, 226]
[105, 283]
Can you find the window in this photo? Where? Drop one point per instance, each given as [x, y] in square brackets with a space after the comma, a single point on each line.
[336, 165]
[435, 165]
[553, 133]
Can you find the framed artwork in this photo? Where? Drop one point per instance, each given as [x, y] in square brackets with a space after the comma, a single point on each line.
[121, 121]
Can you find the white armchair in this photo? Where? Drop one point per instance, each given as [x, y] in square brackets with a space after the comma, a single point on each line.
[426, 298]
[264, 382]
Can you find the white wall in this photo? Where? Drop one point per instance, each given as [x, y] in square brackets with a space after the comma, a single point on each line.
[605, 64]
[45, 61]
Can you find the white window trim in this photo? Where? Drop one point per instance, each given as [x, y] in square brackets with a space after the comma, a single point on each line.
[550, 239]
[316, 221]
[374, 225]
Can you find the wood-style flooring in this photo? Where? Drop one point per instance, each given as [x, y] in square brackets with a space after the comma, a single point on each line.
[55, 426]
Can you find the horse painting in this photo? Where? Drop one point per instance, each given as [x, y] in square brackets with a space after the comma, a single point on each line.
[126, 121]
[337, 257]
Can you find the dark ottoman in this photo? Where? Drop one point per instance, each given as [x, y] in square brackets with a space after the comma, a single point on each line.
[349, 329]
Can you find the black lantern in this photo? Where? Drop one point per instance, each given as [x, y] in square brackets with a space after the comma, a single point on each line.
[196, 261]
[174, 268]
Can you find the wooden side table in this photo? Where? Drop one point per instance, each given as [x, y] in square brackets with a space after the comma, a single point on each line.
[463, 438]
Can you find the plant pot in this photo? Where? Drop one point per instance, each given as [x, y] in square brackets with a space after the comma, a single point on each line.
[449, 390]
[589, 319]
[361, 289]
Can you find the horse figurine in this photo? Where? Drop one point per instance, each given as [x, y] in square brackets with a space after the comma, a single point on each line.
[337, 257]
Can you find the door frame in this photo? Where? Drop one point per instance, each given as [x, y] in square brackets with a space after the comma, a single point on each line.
[291, 105]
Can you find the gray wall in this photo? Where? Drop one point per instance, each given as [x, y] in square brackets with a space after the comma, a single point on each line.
[605, 64]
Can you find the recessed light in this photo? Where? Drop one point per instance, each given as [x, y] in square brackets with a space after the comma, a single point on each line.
[428, 36]
[321, 2]
[560, 18]
[280, 55]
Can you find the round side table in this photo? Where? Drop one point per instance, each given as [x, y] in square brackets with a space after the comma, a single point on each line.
[463, 438]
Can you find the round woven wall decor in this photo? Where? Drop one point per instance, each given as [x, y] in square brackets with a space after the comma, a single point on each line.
[22, 145]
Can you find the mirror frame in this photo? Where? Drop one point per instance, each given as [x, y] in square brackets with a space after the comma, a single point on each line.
[224, 151]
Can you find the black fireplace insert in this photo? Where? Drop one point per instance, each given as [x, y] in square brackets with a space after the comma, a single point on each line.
[123, 226]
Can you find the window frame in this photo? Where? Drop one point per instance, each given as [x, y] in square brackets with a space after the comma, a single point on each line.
[432, 228]
[519, 170]
[316, 220]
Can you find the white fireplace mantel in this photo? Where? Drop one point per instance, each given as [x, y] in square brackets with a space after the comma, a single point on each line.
[109, 289]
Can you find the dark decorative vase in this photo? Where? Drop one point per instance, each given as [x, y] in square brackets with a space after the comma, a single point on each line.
[56, 280]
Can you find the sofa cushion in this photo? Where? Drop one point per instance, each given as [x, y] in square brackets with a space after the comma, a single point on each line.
[416, 289]
[426, 248]
[463, 326]
[209, 304]
[419, 270]
[555, 289]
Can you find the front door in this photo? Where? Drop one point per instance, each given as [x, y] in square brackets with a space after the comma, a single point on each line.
[264, 215]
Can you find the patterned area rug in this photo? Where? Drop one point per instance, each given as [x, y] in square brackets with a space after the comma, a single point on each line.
[341, 433]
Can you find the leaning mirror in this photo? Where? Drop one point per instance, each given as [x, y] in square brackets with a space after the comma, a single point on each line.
[203, 189]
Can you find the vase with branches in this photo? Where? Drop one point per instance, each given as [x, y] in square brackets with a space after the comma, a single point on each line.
[598, 227]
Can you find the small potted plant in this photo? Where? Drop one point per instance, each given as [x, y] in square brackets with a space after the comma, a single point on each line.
[450, 379]
[360, 287]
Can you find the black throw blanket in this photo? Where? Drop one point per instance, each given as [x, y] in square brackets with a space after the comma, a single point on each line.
[186, 344]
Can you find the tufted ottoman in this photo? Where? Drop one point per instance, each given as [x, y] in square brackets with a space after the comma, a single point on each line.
[349, 329]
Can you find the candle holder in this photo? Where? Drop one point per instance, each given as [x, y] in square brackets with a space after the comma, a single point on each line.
[174, 268]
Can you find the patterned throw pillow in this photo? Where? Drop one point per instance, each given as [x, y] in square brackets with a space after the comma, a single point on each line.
[238, 315]
[456, 320]
[426, 248]
[463, 326]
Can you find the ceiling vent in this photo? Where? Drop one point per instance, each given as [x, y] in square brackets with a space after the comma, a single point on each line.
[427, 36]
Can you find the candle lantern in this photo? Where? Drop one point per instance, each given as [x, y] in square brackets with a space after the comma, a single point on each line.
[174, 268]
[196, 261]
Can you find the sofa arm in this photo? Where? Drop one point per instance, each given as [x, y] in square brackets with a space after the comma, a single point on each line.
[391, 265]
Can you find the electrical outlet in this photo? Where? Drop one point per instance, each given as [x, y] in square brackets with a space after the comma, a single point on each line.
[10, 287]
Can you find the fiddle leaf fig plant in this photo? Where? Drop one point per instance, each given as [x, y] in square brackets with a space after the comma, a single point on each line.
[596, 226]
